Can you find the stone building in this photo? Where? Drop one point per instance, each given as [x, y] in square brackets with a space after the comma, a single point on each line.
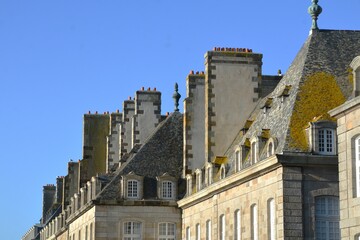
[348, 131]
[272, 172]
[253, 156]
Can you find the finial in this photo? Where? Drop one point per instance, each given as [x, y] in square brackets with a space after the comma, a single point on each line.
[314, 10]
[176, 97]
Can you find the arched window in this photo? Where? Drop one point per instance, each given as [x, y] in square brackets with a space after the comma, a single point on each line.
[327, 218]
[208, 229]
[188, 234]
[222, 227]
[237, 161]
[237, 225]
[271, 219]
[254, 222]
[132, 230]
[198, 231]
[357, 165]
[222, 172]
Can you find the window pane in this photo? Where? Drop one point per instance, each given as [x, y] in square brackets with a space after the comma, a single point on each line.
[327, 217]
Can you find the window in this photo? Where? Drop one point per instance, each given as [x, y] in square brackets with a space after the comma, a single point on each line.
[132, 231]
[209, 175]
[254, 152]
[271, 219]
[254, 222]
[222, 172]
[198, 231]
[86, 233]
[327, 218]
[357, 166]
[270, 148]
[222, 227]
[167, 190]
[189, 184]
[322, 137]
[208, 230]
[133, 189]
[198, 180]
[167, 231]
[79, 234]
[237, 225]
[326, 141]
[188, 235]
[237, 161]
[91, 231]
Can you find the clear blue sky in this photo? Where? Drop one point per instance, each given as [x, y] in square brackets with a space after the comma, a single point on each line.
[61, 58]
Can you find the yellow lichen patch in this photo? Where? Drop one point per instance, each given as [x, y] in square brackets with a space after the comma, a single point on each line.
[220, 160]
[319, 94]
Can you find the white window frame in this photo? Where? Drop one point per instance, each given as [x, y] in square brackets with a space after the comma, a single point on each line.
[326, 141]
[327, 217]
[237, 160]
[167, 190]
[131, 192]
[188, 233]
[222, 229]
[208, 229]
[170, 231]
[237, 224]
[198, 232]
[271, 219]
[254, 222]
[357, 165]
[133, 226]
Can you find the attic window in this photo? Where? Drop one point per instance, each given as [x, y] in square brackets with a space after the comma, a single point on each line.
[355, 66]
[222, 172]
[285, 92]
[322, 137]
[247, 125]
[267, 104]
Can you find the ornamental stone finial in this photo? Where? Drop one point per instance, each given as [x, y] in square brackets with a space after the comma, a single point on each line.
[176, 97]
[314, 10]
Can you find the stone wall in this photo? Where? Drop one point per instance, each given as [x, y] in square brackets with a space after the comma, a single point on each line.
[194, 122]
[348, 120]
[232, 89]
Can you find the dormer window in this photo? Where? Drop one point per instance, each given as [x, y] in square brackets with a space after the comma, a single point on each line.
[322, 137]
[132, 186]
[189, 184]
[208, 174]
[166, 187]
[326, 141]
[222, 172]
[355, 66]
[198, 180]
[254, 150]
[237, 160]
[167, 190]
[270, 147]
[132, 189]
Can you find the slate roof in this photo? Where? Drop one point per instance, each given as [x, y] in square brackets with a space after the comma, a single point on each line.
[161, 153]
[325, 51]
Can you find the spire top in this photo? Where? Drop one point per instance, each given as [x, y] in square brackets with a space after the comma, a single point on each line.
[176, 97]
[314, 10]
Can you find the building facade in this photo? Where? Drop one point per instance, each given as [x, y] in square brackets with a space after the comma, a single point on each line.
[253, 156]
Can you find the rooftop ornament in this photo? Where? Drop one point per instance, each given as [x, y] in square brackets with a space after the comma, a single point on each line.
[314, 10]
[176, 97]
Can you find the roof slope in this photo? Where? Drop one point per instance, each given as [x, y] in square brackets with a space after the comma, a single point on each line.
[317, 81]
[161, 153]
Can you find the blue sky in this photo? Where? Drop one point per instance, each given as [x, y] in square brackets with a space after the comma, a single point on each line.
[60, 59]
